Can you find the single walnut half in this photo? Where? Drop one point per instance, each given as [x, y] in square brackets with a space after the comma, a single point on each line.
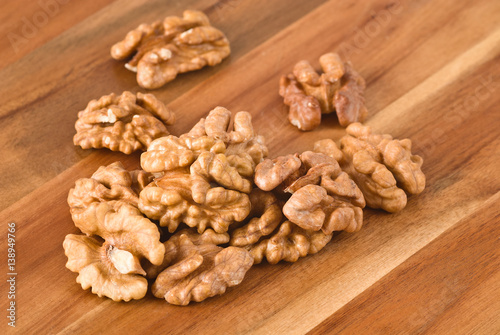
[311, 207]
[339, 88]
[263, 219]
[246, 155]
[289, 243]
[305, 110]
[161, 50]
[110, 183]
[209, 236]
[271, 173]
[170, 152]
[349, 100]
[181, 196]
[381, 166]
[112, 268]
[216, 168]
[323, 196]
[125, 123]
[200, 271]
[95, 263]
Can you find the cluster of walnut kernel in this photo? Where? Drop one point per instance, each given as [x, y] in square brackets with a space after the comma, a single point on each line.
[209, 204]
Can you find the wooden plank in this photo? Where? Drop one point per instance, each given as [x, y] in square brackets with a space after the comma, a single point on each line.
[433, 76]
[450, 286]
[347, 266]
[27, 25]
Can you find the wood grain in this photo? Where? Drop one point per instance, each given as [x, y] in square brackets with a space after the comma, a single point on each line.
[458, 298]
[432, 75]
[25, 27]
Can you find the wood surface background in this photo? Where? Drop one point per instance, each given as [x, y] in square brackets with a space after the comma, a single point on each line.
[433, 75]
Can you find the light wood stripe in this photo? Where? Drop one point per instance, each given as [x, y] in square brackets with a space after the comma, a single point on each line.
[462, 65]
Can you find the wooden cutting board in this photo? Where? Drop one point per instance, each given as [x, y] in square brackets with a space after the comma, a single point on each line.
[433, 75]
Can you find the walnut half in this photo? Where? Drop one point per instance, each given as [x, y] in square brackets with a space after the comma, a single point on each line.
[241, 146]
[112, 267]
[112, 184]
[288, 243]
[199, 270]
[161, 50]
[125, 123]
[339, 88]
[181, 196]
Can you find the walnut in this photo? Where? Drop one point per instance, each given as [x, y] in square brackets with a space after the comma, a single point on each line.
[349, 100]
[263, 219]
[289, 243]
[381, 166]
[181, 196]
[206, 173]
[200, 271]
[271, 173]
[265, 236]
[123, 123]
[340, 88]
[242, 147]
[217, 124]
[323, 196]
[161, 50]
[305, 110]
[110, 183]
[170, 152]
[310, 207]
[215, 167]
[246, 155]
[209, 236]
[112, 268]
[329, 148]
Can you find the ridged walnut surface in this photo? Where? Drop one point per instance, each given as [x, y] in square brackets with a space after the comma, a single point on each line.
[383, 167]
[199, 270]
[205, 175]
[126, 123]
[338, 89]
[111, 184]
[161, 50]
[322, 195]
[112, 268]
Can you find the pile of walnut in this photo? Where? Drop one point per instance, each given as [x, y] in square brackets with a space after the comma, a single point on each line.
[208, 204]
[161, 50]
[339, 88]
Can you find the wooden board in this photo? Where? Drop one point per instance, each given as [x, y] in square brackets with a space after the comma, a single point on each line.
[433, 75]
